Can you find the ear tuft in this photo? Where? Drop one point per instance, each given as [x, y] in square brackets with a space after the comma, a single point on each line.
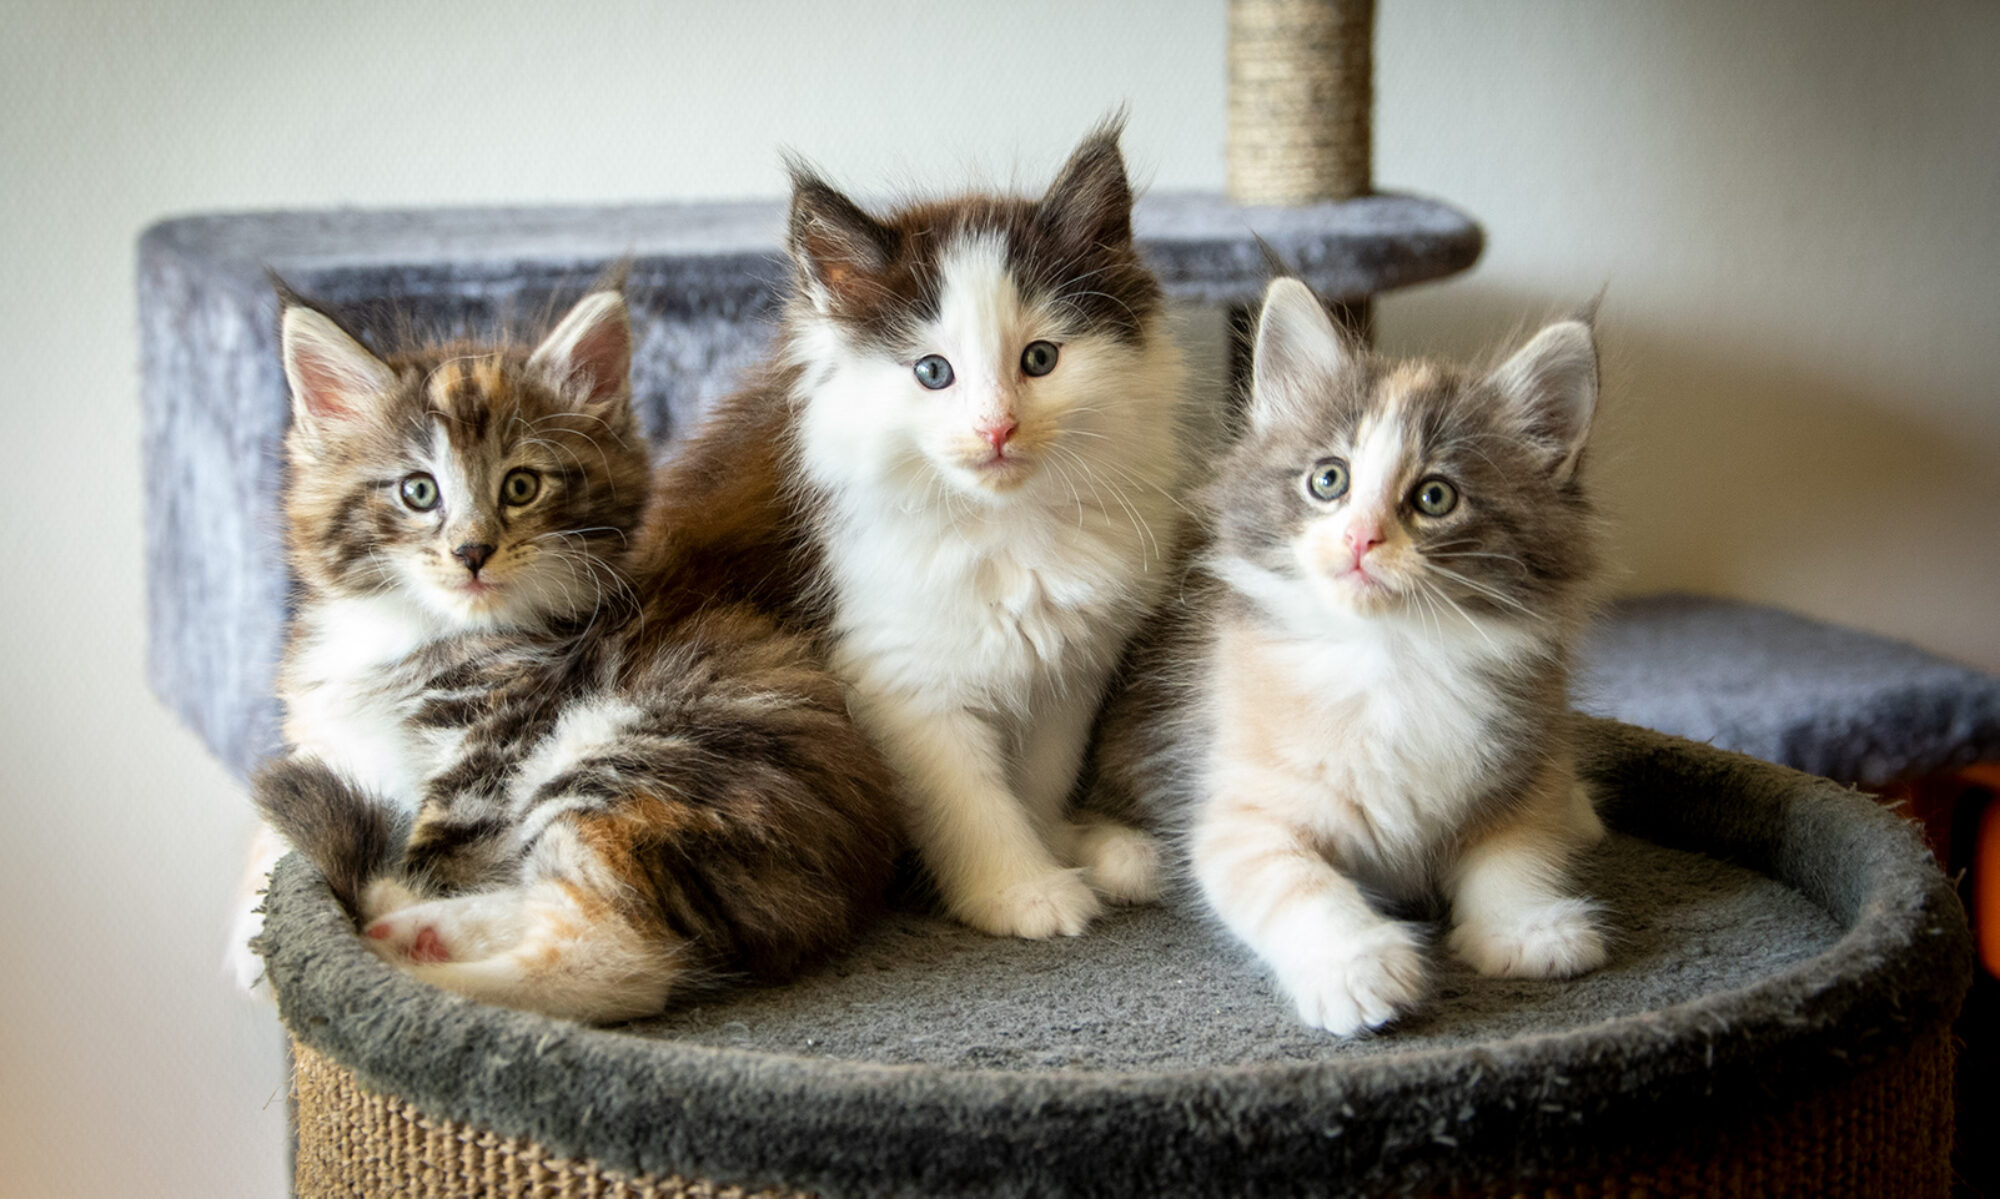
[837, 248]
[1090, 203]
[333, 377]
[1298, 355]
[1553, 383]
[590, 352]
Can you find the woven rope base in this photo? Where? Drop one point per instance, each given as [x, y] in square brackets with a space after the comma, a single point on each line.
[1886, 1132]
[353, 1142]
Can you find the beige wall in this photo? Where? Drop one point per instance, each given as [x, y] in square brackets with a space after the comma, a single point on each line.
[1794, 207]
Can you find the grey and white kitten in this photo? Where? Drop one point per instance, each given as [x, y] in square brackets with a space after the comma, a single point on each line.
[1359, 699]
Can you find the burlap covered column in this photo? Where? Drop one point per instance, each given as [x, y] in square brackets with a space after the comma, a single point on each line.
[1301, 113]
[1301, 100]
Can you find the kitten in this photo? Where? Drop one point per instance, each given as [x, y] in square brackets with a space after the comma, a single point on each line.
[1358, 700]
[628, 778]
[986, 426]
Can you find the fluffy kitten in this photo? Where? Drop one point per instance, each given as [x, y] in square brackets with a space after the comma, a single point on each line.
[1358, 701]
[628, 779]
[987, 434]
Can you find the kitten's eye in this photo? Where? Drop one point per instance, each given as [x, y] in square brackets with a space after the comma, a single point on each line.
[933, 371]
[420, 492]
[1328, 480]
[1039, 358]
[520, 486]
[1434, 497]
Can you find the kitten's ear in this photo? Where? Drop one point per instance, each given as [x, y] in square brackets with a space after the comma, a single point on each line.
[590, 353]
[333, 377]
[1298, 355]
[1090, 203]
[1553, 383]
[839, 249]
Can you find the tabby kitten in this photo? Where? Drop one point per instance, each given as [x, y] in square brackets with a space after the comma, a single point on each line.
[627, 779]
[1358, 702]
[987, 433]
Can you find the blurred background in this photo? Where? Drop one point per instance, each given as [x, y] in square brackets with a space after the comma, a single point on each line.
[1796, 207]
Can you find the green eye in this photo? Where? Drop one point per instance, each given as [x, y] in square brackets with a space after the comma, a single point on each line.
[1039, 358]
[520, 486]
[933, 371]
[419, 492]
[1328, 480]
[1434, 497]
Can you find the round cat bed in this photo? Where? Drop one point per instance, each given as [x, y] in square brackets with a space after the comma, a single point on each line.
[1775, 1019]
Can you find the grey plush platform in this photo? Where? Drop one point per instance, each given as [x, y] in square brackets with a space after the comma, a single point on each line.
[703, 290]
[1776, 939]
[1830, 701]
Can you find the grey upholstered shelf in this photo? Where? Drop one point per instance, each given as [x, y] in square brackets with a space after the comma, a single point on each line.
[704, 288]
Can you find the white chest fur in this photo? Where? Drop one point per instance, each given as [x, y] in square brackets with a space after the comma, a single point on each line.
[340, 702]
[1376, 739]
[989, 608]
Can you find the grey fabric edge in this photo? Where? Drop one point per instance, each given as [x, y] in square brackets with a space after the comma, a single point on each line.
[1200, 245]
[1539, 1103]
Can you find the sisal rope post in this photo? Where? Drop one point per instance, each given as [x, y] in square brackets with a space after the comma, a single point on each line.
[1301, 100]
[1301, 121]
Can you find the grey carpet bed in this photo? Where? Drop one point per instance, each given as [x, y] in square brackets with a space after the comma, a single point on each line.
[1778, 939]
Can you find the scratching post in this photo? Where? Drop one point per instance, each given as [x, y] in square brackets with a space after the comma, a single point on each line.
[1301, 100]
[1301, 115]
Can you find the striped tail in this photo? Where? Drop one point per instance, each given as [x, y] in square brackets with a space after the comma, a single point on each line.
[348, 834]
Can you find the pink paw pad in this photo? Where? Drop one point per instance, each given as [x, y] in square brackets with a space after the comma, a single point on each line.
[429, 947]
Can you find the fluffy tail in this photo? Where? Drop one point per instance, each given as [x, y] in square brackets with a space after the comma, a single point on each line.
[350, 836]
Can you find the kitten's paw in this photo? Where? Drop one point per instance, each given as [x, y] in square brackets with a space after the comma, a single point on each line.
[1359, 982]
[1056, 903]
[1122, 863]
[410, 934]
[1555, 940]
[447, 930]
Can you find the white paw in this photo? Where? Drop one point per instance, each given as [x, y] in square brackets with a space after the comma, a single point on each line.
[459, 929]
[1123, 863]
[1555, 940]
[1055, 903]
[412, 934]
[1359, 982]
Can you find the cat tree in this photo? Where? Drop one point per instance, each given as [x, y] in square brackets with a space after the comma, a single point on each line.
[1775, 1018]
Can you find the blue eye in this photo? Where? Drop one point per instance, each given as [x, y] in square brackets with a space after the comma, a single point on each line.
[1039, 358]
[419, 492]
[1434, 497]
[933, 371]
[1328, 480]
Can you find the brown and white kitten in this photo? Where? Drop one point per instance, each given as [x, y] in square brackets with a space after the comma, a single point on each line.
[987, 432]
[627, 778]
[1358, 701]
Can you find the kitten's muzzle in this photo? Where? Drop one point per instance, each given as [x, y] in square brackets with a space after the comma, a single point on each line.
[473, 556]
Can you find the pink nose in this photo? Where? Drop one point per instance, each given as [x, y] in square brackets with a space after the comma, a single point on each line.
[996, 434]
[1361, 538]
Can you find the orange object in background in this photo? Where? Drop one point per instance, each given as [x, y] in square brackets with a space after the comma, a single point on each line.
[1986, 870]
[1972, 795]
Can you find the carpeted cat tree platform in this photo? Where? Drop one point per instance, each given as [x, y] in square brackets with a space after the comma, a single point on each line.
[1775, 1020]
